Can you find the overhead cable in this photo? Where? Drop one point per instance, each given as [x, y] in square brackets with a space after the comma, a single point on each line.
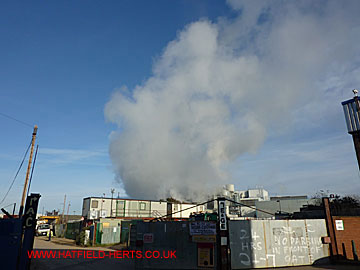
[17, 120]
[13, 181]
[32, 169]
[164, 216]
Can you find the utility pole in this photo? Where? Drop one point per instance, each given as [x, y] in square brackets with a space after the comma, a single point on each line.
[67, 213]
[63, 209]
[112, 193]
[67, 218]
[28, 172]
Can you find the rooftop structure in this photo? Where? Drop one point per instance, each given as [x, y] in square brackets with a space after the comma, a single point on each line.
[240, 198]
[351, 110]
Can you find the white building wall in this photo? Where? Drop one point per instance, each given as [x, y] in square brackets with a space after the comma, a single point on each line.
[94, 208]
[158, 209]
[186, 213]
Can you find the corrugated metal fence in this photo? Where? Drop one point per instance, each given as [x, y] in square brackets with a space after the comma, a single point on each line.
[10, 242]
[110, 235]
[166, 236]
[276, 243]
[73, 229]
[59, 230]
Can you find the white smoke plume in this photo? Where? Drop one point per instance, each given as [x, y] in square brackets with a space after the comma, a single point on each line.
[219, 87]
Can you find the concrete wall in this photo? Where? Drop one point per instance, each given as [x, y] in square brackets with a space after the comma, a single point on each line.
[276, 243]
[345, 234]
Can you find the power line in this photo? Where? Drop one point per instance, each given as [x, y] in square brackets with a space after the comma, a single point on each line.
[183, 210]
[22, 162]
[32, 169]
[254, 208]
[17, 120]
[9, 205]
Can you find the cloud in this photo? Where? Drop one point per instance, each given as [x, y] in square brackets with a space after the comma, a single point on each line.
[66, 156]
[220, 88]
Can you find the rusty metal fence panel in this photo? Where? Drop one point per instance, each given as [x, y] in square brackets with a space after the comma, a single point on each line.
[276, 243]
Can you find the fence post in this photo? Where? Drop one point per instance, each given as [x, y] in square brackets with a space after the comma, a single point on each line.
[356, 258]
[330, 229]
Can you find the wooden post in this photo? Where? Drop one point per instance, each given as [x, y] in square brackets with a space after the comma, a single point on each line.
[63, 213]
[28, 172]
[330, 229]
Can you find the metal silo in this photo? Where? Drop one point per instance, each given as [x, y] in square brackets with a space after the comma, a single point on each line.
[351, 110]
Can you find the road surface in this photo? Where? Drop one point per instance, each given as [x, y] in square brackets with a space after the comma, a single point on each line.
[62, 245]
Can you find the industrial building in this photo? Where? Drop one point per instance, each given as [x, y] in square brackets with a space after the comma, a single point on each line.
[100, 207]
[240, 200]
[281, 205]
[256, 203]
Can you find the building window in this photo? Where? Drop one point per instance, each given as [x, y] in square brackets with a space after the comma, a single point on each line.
[142, 206]
[121, 205]
[94, 204]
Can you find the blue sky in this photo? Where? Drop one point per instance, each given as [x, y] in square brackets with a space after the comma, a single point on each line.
[62, 62]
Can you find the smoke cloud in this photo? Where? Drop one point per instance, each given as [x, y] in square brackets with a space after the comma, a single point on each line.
[219, 88]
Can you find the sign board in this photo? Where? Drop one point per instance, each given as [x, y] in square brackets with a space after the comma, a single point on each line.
[29, 218]
[222, 215]
[28, 223]
[148, 238]
[339, 225]
[205, 257]
[202, 228]
[204, 238]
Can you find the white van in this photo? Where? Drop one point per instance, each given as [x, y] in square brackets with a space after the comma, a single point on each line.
[42, 229]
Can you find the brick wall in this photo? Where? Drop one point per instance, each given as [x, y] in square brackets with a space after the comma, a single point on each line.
[344, 237]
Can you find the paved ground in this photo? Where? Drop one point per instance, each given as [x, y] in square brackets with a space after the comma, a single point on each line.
[310, 267]
[42, 242]
[61, 244]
